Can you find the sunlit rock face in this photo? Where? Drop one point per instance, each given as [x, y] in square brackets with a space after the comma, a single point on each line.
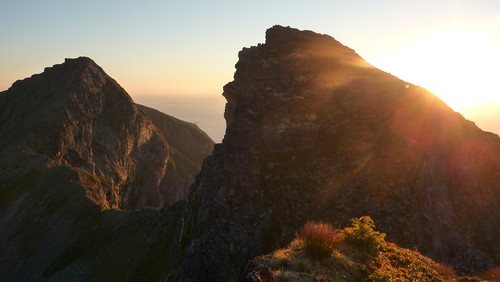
[316, 133]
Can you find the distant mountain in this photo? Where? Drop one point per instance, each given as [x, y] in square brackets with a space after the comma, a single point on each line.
[73, 144]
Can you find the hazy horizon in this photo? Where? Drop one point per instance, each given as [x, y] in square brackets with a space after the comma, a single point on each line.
[205, 111]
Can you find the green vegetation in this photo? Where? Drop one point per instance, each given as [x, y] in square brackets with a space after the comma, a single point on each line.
[363, 234]
[357, 253]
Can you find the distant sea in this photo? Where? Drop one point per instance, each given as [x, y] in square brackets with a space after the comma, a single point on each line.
[206, 111]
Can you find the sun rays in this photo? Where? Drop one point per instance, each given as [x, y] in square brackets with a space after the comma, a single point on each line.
[458, 65]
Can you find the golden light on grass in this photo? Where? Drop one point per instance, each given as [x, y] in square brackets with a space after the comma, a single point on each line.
[319, 239]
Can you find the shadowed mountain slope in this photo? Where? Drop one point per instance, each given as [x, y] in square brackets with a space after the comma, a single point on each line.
[316, 133]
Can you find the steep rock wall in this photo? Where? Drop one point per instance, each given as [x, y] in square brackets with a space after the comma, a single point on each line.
[314, 132]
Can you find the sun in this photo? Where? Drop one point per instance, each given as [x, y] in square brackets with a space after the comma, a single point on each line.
[459, 66]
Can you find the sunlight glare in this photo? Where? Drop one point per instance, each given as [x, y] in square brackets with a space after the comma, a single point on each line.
[459, 66]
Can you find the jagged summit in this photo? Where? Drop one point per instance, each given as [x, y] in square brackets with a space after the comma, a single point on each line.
[71, 69]
[81, 61]
[78, 86]
[77, 64]
[288, 37]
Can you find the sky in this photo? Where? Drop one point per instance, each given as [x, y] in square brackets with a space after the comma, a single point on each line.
[189, 48]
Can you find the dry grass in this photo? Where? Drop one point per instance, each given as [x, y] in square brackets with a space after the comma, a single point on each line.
[319, 239]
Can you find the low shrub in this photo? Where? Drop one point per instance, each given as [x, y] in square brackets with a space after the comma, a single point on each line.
[363, 234]
[319, 239]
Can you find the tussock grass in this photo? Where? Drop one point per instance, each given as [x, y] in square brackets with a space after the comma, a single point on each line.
[319, 239]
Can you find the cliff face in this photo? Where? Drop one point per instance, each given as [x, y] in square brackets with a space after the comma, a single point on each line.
[76, 151]
[316, 133]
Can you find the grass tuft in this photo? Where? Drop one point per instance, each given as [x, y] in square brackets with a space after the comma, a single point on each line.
[319, 239]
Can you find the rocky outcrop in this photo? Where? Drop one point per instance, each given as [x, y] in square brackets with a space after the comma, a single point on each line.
[314, 132]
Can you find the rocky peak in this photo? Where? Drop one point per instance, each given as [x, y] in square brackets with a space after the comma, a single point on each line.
[279, 38]
[75, 115]
[76, 73]
[293, 69]
[75, 152]
[316, 133]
